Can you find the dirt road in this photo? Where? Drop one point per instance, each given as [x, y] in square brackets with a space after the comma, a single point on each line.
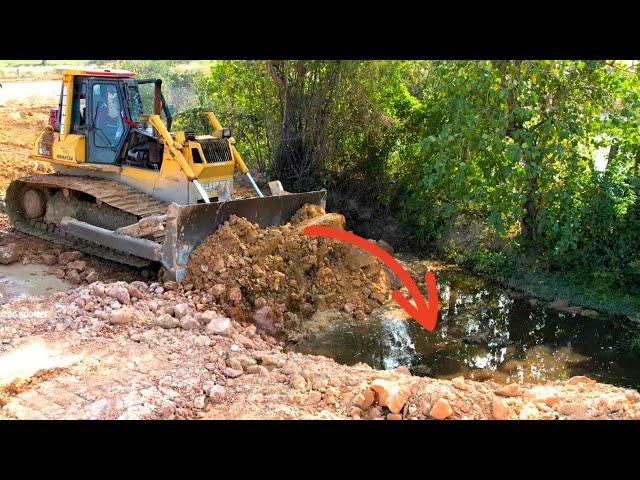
[37, 92]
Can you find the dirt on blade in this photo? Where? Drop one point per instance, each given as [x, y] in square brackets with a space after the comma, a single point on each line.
[280, 278]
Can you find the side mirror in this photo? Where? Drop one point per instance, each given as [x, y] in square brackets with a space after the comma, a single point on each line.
[171, 107]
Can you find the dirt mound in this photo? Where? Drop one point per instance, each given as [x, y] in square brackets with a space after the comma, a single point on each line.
[279, 278]
[20, 128]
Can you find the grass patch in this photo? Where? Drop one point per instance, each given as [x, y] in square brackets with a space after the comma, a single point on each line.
[588, 293]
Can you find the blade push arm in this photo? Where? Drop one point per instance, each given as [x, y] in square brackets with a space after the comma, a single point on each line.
[174, 148]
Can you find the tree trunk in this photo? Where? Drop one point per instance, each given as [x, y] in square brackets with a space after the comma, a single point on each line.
[305, 92]
[529, 219]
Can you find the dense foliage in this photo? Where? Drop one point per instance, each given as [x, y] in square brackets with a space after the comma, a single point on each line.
[497, 164]
[513, 144]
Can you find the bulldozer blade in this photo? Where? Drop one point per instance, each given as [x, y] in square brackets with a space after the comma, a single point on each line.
[188, 225]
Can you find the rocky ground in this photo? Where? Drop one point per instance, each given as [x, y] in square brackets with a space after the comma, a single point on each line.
[114, 346]
[139, 350]
[283, 280]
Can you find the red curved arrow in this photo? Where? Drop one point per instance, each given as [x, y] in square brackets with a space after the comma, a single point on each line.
[425, 313]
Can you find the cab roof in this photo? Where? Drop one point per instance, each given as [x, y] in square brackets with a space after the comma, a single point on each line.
[100, 72]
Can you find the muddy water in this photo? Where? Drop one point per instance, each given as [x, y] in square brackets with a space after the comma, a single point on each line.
[483, 333]
[19, 281]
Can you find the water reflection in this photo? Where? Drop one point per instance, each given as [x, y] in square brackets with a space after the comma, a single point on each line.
[482, 333]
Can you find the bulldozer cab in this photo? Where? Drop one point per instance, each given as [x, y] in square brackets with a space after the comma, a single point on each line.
[104, 129]
[104, 133]
[103, 111]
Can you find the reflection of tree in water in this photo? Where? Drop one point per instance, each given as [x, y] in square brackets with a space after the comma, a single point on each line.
[483, 333]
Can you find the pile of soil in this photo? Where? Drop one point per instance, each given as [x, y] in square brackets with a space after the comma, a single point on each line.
[20, 129]
[279, 278]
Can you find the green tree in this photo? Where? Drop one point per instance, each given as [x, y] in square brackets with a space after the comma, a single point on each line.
[512, 141]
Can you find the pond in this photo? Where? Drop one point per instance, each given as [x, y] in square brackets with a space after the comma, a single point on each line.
[483, 332]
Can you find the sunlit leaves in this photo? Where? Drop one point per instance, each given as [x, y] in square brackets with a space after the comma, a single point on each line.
[523, 131]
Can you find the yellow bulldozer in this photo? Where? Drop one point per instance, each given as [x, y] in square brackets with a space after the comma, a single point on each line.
[127, 188]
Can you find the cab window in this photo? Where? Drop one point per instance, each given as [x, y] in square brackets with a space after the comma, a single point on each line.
[79, 106]
[107, 115]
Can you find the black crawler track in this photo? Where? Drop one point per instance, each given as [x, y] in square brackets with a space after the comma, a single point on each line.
[53, 233]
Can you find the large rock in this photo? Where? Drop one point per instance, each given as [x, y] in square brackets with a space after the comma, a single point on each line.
[189, 323]
[511, 390]
[270, 360]
[441, 409]
[256, 369]
[559, 304]
[167, 321]
[217, 394]
[613, 402]
[97, 290]
[378, 296]
[135, 289]
[119, 292]
[577, 410]
[580, 379]
[500, 410]
[232, 372]
[9, 254]
[218, 289]
[245, 361]
[198, 402]
[49, 259]
[57, 271]
[334, 220]
[181, 310]
[290, 367]
[73, 276]
[219, 326]
[529, 412]
[546, 395]
[66, 257]
[123, 315]
[171, 285]
[78, 265]
[391, 394]
[364, 399]
[91, 277]
[235, 295]
[233, 363]
[205, 317]
[313, 398]
[374, 413]
[459, 383]
[298, 382]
